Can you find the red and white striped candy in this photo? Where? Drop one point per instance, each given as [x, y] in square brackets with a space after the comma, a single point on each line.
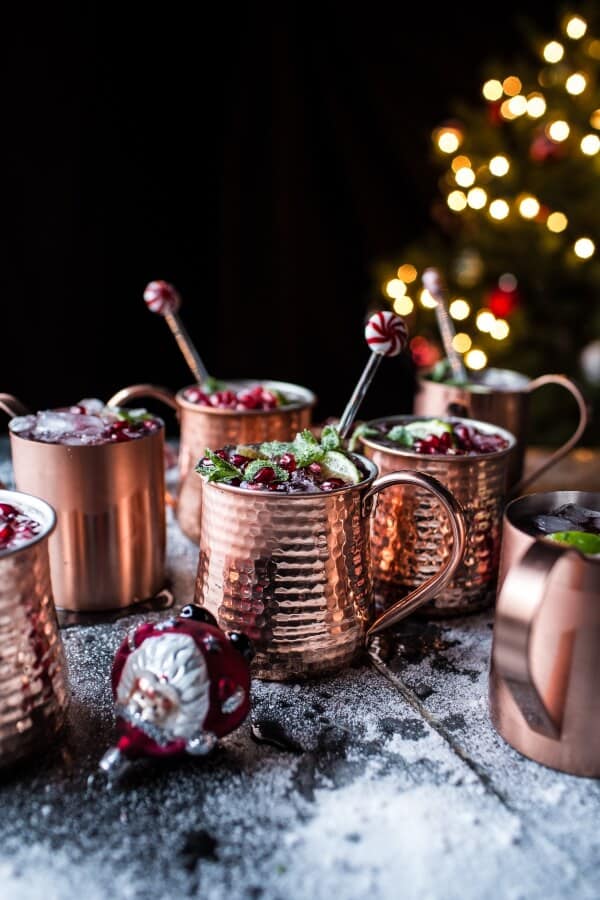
[386, 333]
[162, 298]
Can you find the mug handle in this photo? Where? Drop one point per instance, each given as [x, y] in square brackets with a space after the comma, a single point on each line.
[570, 386]
[143, 390]
[458, 525]
[519, 602]
[12, 406]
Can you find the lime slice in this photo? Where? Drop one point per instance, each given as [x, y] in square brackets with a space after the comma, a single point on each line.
[420, 430]
[248, 451]
[584, 541]
[337, 465]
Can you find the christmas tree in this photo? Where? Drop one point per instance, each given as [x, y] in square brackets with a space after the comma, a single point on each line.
[517, 224]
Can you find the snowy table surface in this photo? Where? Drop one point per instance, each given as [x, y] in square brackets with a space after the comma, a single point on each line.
[383, 787]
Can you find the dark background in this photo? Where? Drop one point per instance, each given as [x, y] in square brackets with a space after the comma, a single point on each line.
[261, 157]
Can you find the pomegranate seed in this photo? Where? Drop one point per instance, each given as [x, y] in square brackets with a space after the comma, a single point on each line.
[222, 454]
[264, 476]
[7, 510]
[288, 462]
[315, 468]
[6, 533]
[331, 484]
[236, 459]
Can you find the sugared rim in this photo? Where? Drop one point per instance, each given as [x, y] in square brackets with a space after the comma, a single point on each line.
[45, 514]
[482, 388]
[76, 447]
[281, 496]
[486, 427]
[305, 397]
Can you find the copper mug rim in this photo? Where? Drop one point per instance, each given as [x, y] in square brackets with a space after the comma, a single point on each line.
[467, 459]
[76, 448]
[303, 397]
[39, 507]
[482, 388]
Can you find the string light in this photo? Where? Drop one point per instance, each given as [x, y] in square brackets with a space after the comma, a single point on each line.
[456, 200]
[499, 166]
[556, 222]
[593, 49]
[499, 209]
[465, 177]
[590, 144]
[477, 198]
[407, 273]
[558, 131]
[576, 27]
[448, 139]
[460, 162]
[403, 306]
[595, 119]
[576, 83]
[462, 342]
[518, 105]
[536, 105]
[485, 319]
[529, 207]
[584, 247]
[505, 111]
[511, 85]
[492, 89]
[459, 309]
[476, 359]
[553, 52]
[395, 288]
[500, 330]
[427, 300]
[507, 282]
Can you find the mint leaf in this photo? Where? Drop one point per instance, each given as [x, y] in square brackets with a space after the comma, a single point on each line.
[257, 464]
[400, 435]
[218, 469]
[273, 449]
[211, 385]
[330, 438]
[363, 430]
[306, 449]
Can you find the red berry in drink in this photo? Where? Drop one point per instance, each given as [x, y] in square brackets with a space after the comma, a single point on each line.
[288, 462]
[264, 476]
[332, 484]
[315, 468]
[7, 511]
[236, 459]
[6, 533]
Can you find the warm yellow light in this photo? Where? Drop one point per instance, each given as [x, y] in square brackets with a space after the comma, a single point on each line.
[556, 222]
[576, 83]
[456, 200]
[477, 198]
[395, 288]
[492, 89]
[462, 342]
[427, 300]
[500, 330]
[505, 111]
[595, 119]
[460, 162]
[407, 273]
[485, 319]
[536, 105]
[584, 247]
[558, 131]
[593, 49]
[529, 207]
[448, 140]
[553, 52]
[465, 177]
[499, 166]
[403, 306]
[459, 309]
[511, 85]
[476, 359]
[590, 144]
[576, 27]
[518, 105]
[499, 209]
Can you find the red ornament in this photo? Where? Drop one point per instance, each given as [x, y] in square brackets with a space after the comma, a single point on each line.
[502, 303]
[424, 353]
[178, 686]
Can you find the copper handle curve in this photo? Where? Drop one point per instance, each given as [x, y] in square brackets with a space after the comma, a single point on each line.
[519, 602]
[458, 525]
[143, 390]
[12, 406]
[570, 386]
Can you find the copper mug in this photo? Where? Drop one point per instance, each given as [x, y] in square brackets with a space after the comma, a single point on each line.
[545, 667]
[205, 426]
[33, 678]
[293, 571]
[108, 550]
[500, 396]
[408, 524]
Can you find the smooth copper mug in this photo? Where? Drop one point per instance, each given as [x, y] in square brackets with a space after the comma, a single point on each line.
[545, 668]
[411, 530]
[293, 571]
[108, 550]
[206, 426]
[33, 679]
[506, 406]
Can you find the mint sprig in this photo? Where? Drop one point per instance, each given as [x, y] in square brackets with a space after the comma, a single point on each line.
[363, 430]
[400, 435]
[218, 469]
[330, 438]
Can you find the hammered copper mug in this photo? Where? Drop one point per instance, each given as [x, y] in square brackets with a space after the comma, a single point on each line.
[501, 397]
[545, 667]
[293, 571]
[108, 550]
[33, 681]
[207, 426]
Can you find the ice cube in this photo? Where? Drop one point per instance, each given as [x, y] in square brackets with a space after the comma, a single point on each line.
[53, 425]
[22, 423]
[580, 516]
[552, 523]
[92, 405]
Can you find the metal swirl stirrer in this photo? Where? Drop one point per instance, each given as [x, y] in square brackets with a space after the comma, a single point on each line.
[433, 282]
[162, 298]
[387, 335]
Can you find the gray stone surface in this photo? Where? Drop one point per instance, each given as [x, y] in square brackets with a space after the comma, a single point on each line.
[386, 786]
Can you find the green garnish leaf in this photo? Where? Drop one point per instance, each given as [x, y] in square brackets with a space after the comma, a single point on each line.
[218, 469]
[257, 464]
[330, 438]
[306, 449]
[273, 449]
[211, 385]
[363, 430]
[400, 435]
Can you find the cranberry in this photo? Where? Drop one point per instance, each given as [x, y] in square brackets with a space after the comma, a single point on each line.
[332, 484]
[264, 476]
[248, 400]
[288, 462]
[315, 468]
[7, 510]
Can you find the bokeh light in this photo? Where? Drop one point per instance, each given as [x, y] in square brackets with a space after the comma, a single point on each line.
[499, 166]
[395, 288]
[459, 309]
[476, 359]
[529, 207]
[511, 85]
[584, 247]
[558, 131]
[477, 198]
[403, 306]
[553, 52]
[499, 209]
[407, 273]
[492, 89]
[426, 300]
[485, 319]
[590, 144]
[575, 27]
[576, 83]
[556, 222]
[536, 105]
[500, 329]
[456, 200]
[462, 342]
[465, 177]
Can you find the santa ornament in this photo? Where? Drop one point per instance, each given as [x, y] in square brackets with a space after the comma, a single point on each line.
[178, 685]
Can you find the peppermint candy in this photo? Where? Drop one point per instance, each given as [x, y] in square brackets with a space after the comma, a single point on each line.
[162, 298]
[386, 333]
